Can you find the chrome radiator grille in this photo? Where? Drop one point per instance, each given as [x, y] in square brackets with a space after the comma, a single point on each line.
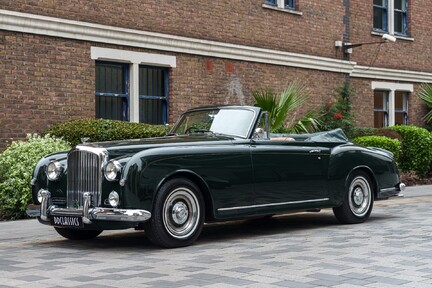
[84, 174]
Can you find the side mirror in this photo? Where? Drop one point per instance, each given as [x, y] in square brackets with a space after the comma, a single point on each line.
[259, 133]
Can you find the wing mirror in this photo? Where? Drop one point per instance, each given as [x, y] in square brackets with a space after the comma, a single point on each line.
[259, 133]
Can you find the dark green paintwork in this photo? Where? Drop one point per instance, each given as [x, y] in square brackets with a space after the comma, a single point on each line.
[233, 172]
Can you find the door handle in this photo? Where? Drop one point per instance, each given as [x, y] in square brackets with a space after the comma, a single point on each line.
[315, 151]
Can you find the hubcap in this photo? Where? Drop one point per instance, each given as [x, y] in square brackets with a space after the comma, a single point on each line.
[360, 196]
[181, 213]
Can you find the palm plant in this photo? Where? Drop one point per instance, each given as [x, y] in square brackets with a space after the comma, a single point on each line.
[425, 94]
[279, 105]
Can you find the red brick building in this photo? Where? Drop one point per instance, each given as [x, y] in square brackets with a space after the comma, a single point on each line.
[148, 61]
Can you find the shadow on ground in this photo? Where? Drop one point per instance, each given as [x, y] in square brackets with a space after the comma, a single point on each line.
[212, 233]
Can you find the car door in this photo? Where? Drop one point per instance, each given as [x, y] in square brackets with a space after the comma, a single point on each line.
[289, 174]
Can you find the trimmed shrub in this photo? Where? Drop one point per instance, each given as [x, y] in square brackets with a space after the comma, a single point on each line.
[392, 145]
[388, 133]
[98, 130]
[416, 154]
[16, 168]
[362, 131]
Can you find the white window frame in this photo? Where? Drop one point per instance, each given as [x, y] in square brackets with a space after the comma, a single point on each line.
[392, 88]
[135, 59]
[391, 18]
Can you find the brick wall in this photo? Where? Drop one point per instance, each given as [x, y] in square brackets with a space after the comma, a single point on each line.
[239, 22]
[47, 80]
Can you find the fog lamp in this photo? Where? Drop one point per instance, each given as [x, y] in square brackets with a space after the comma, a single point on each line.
[114, 199]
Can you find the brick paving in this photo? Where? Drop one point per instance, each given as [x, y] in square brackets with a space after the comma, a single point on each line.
[393, 248]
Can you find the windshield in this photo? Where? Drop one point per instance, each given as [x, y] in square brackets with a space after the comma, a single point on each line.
[235, 122]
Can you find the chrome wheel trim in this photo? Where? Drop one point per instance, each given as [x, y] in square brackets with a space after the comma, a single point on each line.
[181, 213]
[360, 196]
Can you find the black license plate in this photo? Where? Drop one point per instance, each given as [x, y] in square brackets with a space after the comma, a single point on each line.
[67, 221]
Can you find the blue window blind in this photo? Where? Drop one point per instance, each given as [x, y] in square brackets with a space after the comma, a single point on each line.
[401, 17]
[153, 95]
[380, 12]
[290, 4]
[112, 91]
[271, 2]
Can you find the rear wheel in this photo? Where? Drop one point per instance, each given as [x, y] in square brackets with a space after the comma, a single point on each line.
[358, 200]
[73, 234]
[178, 214]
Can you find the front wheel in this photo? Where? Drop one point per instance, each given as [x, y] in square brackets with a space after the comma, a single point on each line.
[178, 214]
[358, 200]
[73, 234]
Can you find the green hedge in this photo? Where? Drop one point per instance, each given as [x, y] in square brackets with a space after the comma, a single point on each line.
[16, 168]
[104, 130]
[392, 145]
[416, 153]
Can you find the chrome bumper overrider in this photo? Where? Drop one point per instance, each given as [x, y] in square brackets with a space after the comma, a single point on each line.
[391, 192]
[88, 214]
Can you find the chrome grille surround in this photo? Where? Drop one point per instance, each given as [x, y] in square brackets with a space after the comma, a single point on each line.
[84, 174]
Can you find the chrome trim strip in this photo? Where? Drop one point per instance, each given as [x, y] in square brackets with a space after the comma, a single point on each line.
[388, 189]
[129, 215]
[272, 204]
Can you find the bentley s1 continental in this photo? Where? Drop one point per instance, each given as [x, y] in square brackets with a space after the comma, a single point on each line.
[216, 164]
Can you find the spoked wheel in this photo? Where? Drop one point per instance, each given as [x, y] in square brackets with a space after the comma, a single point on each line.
[358, 200]
[73, 234]
[178, 214]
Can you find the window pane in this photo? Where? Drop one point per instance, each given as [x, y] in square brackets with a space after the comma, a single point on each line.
[400, 22]
[379, 19]
[380, 109]
[110, 78]
[111, 91]
[289, 4]
[400, 4]
[380, 100]
[380, 119]
[400, 98]
[151, 111]
[153, 105]
[400, 118]
[271, 2]
[111, 107]
[378, 2]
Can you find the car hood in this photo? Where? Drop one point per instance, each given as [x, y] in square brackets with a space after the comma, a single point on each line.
[129, 147]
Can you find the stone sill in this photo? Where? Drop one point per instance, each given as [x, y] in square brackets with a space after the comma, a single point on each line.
[405, 38]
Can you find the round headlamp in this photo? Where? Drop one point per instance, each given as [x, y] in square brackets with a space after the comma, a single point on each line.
[53, 170]
[111, 170]
[114, 199]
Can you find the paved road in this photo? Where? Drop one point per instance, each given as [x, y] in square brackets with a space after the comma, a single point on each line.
[393, 248]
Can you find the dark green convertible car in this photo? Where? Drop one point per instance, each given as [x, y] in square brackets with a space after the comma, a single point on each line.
[217, 164]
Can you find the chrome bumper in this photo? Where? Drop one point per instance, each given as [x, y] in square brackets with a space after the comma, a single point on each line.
[391, 192]
[44, 210]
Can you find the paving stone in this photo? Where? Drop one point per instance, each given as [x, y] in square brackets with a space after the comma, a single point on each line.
[300, 250]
